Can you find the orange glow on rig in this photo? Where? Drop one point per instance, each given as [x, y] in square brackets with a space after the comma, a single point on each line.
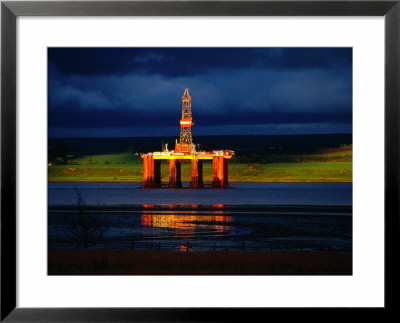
[185, 144]
[185, 151]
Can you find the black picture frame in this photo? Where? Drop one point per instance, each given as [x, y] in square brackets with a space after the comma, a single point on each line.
[10, 10]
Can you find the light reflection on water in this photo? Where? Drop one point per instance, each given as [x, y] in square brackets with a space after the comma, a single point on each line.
[200, 228]
[186, 225]
[188, 221]
[254, 216]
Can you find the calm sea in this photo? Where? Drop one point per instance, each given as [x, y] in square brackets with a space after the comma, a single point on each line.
[249, 216]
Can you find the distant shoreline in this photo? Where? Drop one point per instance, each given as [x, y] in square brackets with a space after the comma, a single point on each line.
[137, 182]
[342, 208]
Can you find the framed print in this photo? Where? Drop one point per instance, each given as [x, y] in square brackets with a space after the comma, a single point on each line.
[149, 146]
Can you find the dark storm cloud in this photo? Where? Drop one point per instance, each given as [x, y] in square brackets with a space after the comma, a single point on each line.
[131, 118]
[189, 61]
[111, 88]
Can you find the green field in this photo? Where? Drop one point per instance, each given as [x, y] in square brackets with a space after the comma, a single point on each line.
[125, 167]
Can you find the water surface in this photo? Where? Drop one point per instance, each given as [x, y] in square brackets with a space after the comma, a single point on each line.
[250, 216]
[239, 194]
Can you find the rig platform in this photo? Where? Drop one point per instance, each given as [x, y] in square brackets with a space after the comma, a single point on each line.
[152, 168]
[185, 151]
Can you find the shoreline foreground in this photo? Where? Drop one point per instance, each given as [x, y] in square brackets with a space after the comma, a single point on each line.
[134, 262]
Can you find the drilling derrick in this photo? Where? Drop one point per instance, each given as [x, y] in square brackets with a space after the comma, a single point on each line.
[185, 141]
[185, 152]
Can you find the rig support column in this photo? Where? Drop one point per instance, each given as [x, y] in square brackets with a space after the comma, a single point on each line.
[220, 172]
[197, 174]
[178, 173]
[148, 171]
[174, 174]
[215, 166]
[145, 170]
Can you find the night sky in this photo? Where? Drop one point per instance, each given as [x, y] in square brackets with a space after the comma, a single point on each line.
[124, 92]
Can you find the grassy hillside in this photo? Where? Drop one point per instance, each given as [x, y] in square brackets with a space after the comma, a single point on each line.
[335, 166]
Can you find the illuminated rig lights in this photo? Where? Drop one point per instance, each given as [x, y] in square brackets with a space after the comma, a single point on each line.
[185, 150]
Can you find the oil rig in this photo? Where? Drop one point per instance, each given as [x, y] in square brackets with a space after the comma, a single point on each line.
[185, 152]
